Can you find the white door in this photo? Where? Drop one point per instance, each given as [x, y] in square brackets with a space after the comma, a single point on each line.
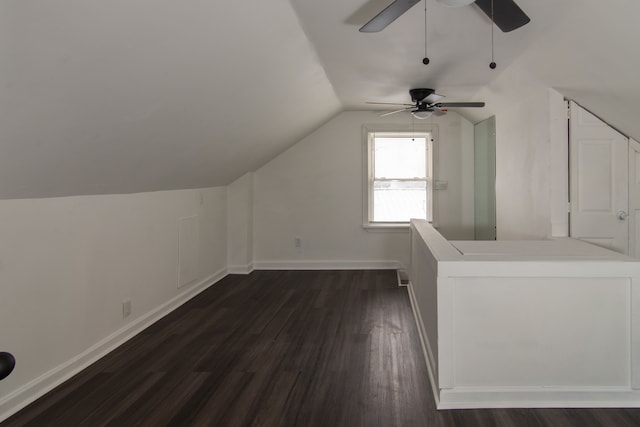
[634, 198]
[599, 174]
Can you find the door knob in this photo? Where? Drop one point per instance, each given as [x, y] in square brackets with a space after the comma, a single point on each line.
[622, 215]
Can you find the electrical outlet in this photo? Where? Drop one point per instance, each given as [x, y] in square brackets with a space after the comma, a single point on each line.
[126, 308]
[297, 242]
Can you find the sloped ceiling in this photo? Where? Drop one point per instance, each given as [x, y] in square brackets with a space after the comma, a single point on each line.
[124, 96]
[592, 56]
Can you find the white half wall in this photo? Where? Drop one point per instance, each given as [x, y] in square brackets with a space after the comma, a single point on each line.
[67, 265]
[314, 190]
[547, 323]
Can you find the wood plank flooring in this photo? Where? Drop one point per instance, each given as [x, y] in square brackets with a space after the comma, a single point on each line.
[279, 348]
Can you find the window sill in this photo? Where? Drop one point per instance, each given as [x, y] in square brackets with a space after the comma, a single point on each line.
[387, 227]
[391, 227]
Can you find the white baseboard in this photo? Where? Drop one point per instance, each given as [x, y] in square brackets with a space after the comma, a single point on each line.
[327, 265]
[542, 397]
[240, 269]
[36, 388]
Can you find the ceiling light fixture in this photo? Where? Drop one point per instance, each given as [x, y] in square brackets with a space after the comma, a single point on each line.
[421, 114]
[455, 3]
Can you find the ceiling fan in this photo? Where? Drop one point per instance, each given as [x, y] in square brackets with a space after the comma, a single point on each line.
[506, 14]
[426, 102]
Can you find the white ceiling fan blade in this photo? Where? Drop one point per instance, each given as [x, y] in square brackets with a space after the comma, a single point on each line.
[459, 104]
[506, 14]
[390, 103]
[388, 15]
[433, 98]
[388, 113]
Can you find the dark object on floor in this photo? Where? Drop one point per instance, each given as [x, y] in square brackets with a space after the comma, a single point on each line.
[7, 363]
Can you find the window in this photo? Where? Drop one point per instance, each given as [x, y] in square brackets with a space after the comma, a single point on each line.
[399, 177]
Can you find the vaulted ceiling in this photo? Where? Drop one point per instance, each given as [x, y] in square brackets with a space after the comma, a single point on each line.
[124, 96]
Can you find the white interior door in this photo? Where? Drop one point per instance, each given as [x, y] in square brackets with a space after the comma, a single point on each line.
[634, 198]
[599, 175]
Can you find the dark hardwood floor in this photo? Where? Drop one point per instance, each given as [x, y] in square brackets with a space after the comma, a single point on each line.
[279, 348]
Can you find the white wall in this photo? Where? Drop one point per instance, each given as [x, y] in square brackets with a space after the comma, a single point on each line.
[559, 164]
[66, 265]
[467, 176]
[240, 224]
[314, 191]
[531, 149]
[455, 205]
[522, 170]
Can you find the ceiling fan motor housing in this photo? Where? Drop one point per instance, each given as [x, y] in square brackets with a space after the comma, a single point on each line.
[418, 95]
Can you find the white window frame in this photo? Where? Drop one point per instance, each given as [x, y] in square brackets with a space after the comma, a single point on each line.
[369, 132]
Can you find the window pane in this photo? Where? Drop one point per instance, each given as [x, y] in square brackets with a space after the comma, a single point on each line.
[399, 201]
[400, 157]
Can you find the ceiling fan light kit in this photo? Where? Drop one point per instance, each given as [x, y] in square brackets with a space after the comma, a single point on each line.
[421, 114]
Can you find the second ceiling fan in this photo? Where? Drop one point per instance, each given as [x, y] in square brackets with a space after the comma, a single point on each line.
[506, 14]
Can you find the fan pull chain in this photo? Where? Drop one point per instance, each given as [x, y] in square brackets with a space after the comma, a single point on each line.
[413, 128]
[425, 60]
[493, 64]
